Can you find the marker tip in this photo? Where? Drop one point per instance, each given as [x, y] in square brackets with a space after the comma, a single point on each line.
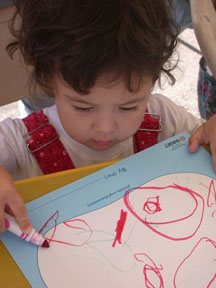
[45, 244]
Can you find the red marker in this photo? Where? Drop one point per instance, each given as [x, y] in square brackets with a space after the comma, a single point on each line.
[33, 237]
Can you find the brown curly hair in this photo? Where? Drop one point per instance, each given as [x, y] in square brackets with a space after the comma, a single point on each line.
[83, 39]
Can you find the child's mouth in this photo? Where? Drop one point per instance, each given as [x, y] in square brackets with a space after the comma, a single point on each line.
[103, 143]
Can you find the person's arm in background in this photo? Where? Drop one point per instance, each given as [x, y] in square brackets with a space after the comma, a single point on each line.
[204, 23]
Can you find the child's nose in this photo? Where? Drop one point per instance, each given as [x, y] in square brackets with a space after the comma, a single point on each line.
[105, 123]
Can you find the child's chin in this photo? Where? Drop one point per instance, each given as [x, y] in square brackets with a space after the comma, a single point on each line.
[99, 148]
[101, 145]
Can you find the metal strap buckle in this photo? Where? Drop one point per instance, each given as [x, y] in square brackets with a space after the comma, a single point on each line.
[153, 130]
[32, 131]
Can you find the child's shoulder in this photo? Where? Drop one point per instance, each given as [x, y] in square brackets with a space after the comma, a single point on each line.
[174, 118]
[12, 126]
[159, 102]
[166, 108]
[12, 133]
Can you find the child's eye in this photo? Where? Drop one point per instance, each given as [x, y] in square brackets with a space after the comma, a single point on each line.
[128, 108]
[82, 108]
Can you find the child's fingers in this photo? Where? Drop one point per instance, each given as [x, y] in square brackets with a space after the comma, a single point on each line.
[213, 149]
[214, 161]
[204, 135]
[195, 141]
[2, 221]
[11, 201]
[18, 208]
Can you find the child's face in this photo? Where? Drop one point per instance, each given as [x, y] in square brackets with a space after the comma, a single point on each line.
[109, 114]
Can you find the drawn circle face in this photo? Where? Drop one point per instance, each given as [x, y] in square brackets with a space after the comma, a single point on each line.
[163, 203]
[168, 208]
[149, 203]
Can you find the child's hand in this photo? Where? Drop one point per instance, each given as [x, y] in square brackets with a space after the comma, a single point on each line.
[205, 134]
[11, 201]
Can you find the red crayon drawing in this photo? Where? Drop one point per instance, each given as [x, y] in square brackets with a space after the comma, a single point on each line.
[151, 272]
[202, 261]
[211, 199]
[170, 224]
[211, 196]
[154, 207]
[72, 234]
[120, 227]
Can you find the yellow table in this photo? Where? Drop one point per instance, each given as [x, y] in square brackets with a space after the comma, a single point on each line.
[30, 189]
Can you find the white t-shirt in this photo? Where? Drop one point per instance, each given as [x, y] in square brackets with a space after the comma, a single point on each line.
[21, 164]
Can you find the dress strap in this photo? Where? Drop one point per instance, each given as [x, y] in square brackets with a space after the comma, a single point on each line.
[147, 134]
[43, 142]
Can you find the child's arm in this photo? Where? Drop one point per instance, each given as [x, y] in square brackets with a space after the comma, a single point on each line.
[205, 134]
[204, 23]
[11, 201]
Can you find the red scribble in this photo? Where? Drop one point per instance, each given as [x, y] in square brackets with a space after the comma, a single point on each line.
[153, 268]
[193, 194]
[66, 223]
[211, 195]
[152, 206]
[189, 255]
[80, 228]
[120, 227]
[213, 213]
[209, 285]
[56, 214]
